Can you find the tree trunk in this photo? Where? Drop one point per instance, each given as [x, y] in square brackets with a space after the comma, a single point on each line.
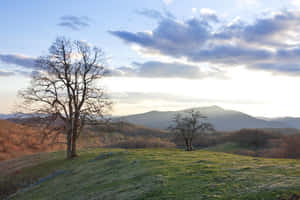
[186, 144]
[69, 144]
[74, 140]
[189, 146]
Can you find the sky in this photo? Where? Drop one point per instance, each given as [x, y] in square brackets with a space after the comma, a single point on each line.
[166, 54]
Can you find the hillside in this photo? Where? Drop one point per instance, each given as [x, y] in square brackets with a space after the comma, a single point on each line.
[156, 174]
[18, 140]
[223, 120]
[20, 137]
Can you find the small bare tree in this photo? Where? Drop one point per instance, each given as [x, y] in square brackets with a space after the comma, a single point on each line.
[189, 125]
[66, 88]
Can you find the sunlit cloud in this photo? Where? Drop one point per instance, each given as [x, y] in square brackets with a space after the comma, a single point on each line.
[269, 43]
[295, 3]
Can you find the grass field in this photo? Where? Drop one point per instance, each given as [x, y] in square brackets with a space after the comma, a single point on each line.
[160, 174]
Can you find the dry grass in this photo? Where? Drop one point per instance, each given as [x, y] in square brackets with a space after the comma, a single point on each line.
[18, 140]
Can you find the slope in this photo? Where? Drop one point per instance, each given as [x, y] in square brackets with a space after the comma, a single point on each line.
[162, 174]
[18, 140]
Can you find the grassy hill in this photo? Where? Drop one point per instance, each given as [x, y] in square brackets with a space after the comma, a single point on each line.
[155, 174]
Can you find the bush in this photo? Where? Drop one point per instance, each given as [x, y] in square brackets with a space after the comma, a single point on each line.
[290, 148]
[252, 137]
[202, 141]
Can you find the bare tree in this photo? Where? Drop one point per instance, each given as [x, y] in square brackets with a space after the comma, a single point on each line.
[189, 125]
[66, 88]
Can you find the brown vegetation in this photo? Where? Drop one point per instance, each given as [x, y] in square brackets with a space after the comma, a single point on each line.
[18, 140]
[256, 142]
[21, 139]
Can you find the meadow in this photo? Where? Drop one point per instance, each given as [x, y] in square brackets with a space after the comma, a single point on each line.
[154, 174]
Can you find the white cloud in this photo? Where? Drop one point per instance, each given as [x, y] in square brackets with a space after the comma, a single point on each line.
[295, 3]
[207, 12]
[194, 10]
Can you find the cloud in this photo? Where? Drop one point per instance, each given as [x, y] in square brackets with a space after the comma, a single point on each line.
[270, 43]
[155, 69]
[151, 13]
[18, 59]
[140, 97]
[209, 14]
[295, 3]
[170, 37]
[5, 73]
[155, 14]
[22, 65]
[74, 22]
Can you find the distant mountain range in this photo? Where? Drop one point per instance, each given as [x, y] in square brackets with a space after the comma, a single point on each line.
[18, 115]
[6, 116]
[223, 120]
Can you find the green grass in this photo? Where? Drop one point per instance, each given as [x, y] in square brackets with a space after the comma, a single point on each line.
[165, 174]
[228, 147]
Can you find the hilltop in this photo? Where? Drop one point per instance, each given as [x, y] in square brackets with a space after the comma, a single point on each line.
[155, 174]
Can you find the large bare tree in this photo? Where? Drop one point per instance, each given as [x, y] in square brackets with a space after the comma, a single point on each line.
[188, 125]
[66, 88]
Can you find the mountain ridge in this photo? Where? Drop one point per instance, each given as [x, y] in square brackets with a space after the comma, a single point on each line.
[222, 119]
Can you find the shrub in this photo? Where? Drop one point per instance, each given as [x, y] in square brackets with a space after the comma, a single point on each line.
[290, 148]
[252, 137]
[203, 141]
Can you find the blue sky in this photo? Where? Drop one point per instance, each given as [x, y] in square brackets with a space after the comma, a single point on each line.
[30, 27]
[166, 54]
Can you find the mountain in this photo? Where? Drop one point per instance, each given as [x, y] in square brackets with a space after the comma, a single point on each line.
[291, 121]
[6, 116]
[223, 120]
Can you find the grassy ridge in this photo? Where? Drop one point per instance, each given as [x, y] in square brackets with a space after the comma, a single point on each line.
[165, 174]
